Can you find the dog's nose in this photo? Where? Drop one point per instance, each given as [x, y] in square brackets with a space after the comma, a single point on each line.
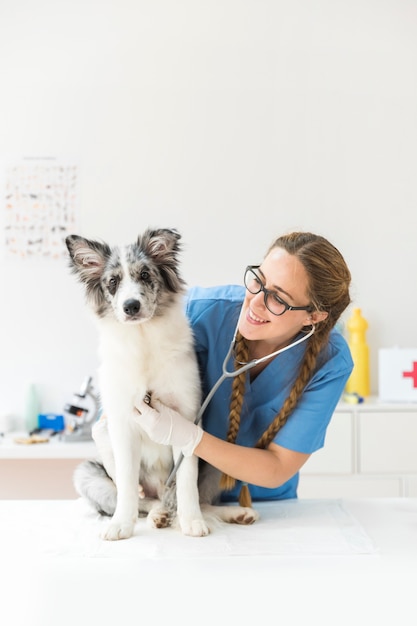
[131, 307]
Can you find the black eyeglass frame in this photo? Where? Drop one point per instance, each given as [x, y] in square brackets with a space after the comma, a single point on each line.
[274, 294]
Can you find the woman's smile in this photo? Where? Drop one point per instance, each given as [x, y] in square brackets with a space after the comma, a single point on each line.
[254, 319]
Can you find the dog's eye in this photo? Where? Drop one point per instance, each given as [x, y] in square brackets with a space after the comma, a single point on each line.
[112, 286]
[145, 275]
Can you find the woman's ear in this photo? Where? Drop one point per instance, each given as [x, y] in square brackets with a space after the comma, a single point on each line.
[317, 316]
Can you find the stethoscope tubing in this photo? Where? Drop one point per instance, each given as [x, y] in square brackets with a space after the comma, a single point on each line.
[232, 374]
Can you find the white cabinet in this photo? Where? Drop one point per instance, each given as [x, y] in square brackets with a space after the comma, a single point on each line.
[40, 471]
[388, 443]
[370, 451]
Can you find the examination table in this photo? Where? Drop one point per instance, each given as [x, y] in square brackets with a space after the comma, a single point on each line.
[324, 561]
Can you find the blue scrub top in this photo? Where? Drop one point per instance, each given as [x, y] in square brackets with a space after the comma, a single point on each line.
[213, 313]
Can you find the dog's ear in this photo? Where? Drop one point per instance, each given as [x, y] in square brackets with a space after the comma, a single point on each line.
[87, 257]
[161, 244]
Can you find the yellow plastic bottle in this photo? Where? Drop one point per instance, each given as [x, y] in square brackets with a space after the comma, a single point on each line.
[359, 380]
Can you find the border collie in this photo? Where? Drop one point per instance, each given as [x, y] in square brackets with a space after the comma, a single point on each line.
[145, 345]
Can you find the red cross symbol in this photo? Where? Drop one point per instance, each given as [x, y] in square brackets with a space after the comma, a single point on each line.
[412, 374]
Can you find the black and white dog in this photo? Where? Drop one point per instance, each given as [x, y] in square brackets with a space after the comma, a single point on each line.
[146, 345]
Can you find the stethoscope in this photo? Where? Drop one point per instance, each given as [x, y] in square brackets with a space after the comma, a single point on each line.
[232, 374]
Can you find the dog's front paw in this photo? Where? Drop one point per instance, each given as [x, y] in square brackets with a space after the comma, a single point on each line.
[116, 530]
[194, 527]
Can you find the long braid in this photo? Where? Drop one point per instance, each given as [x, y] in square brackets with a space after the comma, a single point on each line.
[306, 369]
[236, 403]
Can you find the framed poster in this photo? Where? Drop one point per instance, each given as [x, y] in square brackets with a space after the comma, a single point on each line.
[40, 206]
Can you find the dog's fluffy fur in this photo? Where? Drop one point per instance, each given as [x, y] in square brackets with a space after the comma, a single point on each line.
[136, 294]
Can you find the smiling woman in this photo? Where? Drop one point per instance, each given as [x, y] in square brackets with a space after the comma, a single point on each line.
[261, 428]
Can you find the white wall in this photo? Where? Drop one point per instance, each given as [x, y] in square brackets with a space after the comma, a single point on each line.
[231, 120]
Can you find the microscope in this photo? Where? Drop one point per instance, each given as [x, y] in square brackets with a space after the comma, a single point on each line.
[81, 413]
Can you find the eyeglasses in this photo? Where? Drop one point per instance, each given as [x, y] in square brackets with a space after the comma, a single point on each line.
[273, 302]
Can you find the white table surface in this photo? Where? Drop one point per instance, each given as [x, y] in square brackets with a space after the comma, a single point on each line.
[320, 561]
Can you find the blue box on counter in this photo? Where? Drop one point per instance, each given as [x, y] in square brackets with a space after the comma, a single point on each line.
[52, 421]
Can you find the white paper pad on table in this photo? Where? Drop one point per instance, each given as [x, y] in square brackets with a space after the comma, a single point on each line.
[69, 528]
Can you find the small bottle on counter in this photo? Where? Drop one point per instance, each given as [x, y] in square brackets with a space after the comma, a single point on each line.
[32, 408]
[359, 380]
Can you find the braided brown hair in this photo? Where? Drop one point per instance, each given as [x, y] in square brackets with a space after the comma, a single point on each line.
[328, 290]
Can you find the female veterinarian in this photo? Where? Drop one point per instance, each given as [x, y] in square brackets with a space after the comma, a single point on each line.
[261, 425]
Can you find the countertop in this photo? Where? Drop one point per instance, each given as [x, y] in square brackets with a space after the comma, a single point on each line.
[325, 561]
[55, 448]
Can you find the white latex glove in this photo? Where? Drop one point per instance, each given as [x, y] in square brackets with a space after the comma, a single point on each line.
[166, 426]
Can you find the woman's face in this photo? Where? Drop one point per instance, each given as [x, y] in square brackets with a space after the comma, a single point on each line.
[285, 275]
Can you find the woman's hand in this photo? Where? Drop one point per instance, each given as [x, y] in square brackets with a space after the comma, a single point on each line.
[166, 426]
